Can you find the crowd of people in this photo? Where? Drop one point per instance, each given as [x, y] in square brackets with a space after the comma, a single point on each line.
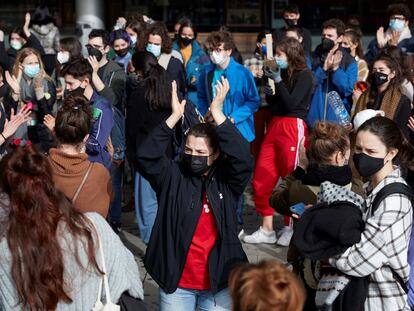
[325, 137]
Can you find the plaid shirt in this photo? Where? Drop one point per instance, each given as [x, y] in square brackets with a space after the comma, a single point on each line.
[384, 244]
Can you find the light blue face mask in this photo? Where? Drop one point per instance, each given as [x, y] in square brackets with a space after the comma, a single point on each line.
[281, 63]
[397, 24]
[31, 70]
[154, 49]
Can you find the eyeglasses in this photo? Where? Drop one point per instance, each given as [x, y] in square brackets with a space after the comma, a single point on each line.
[398, 17]
[88, 46]
[218, 50]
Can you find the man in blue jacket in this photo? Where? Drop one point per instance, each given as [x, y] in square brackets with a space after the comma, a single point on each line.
[243, 99]
[334, 70]
[78, 77]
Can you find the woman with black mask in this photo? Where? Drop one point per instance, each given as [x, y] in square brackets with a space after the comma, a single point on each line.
[385, 93]
[195, 59]
[148, 105]
[381, 254]
[194, 243]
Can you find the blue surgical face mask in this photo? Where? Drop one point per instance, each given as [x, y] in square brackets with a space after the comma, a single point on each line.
[397, 24]
[16, 44]
[281, 63]
[154, 49]
[31, 70]
[264, 49]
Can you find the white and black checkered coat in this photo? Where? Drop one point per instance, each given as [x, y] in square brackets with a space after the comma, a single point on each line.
[384, 244]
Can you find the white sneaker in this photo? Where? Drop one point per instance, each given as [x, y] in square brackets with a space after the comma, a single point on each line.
[285, 235]
[261, 236]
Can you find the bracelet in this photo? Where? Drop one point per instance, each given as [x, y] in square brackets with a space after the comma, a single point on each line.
[3, 136]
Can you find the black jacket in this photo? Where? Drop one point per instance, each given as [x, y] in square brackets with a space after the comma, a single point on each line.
[180, 202]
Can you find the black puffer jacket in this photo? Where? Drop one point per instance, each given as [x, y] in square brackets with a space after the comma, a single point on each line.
[180, 202]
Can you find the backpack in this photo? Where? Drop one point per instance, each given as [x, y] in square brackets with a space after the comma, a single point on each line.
[394, 188]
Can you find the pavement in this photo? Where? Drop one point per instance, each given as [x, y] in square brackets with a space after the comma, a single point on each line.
[255, 253]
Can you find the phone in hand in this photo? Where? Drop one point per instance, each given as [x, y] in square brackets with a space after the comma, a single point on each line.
[298, 209]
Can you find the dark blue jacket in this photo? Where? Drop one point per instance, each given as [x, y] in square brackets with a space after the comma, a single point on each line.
[241, 102]
[103, 119]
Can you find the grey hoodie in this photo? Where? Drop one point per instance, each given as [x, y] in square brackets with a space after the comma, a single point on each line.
[48, 36]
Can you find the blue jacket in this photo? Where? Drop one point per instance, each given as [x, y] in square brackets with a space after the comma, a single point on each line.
[241, 102]
[406, 46]
[342, 81]
[195, 65]
[103, 119]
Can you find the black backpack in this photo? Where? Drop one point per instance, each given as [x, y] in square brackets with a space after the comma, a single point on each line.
[394, 188]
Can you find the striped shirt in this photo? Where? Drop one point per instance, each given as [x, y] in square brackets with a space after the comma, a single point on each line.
[384, 244]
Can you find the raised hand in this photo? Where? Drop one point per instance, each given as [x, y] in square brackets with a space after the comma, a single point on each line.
[94, 63]
[273, 74]
[11, 126]
[13, 82]
[49, 121]
[216, 106]
[395, 37]
[177, 107]
[26, 24]
[1, 36]
[222, 88]
[336, 59]
[381, 39]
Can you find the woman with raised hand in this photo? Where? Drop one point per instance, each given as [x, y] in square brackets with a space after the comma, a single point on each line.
[31, 85]
[194, 242]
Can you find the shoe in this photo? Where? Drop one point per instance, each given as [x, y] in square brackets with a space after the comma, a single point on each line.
[261, 236]
[285, 236]
[241, 235]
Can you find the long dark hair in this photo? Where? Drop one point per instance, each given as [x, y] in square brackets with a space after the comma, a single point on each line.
[390, 134]
[395, 83]
[356, 39]
[37, 209]
[157, 82]
[73, 46]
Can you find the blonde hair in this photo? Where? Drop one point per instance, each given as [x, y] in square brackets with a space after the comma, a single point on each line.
[266, 286]
[21, 55]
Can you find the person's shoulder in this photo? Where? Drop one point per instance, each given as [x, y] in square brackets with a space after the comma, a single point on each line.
[114, 66]
[100, 171]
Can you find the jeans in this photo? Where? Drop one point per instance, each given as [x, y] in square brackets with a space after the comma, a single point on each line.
[189, 299]
[115, 210]
[146, 206]
[239, 210]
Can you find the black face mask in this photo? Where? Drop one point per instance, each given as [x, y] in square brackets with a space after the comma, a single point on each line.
[122, 52]
[186, 41]
[196, 164]
[367, 165]
[378, 78]
[95, 52]
[289, 22]
[327, 44]
[79, 91]
[348, 50]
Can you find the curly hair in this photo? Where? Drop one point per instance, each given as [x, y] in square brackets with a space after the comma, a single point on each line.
[157, 29]
[268, 285]
[399, 9]
[216, 38]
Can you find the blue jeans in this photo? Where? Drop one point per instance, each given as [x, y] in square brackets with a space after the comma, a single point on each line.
[189, 299]
[146, 206]
[115, 210]
[239, 210]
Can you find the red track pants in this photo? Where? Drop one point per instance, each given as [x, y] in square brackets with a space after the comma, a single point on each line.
[278, 157]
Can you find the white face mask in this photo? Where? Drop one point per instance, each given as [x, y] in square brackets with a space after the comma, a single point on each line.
[63, 57]
[218, 58]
